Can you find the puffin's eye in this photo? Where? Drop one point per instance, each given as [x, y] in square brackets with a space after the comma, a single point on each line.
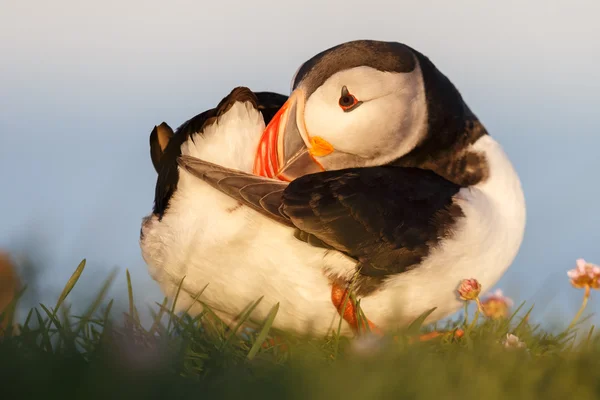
[347, 101]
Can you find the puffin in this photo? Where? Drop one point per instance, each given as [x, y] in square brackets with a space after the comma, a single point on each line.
[372, 184]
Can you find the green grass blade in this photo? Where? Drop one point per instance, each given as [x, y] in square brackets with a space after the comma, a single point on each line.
[241, 320]
[263, 332]
[513, 315]
[70, 284]
[581, 321]
[523, 320]
[44, 331]
[173, 305]
[158, 316]
[96, 303]
[52, 318]
[29, 315]
[106, 325]
[589, 337]
[107, 311]
[339, 328]
[195, 299]
[415, 326]
[133, 314]
[363, 322]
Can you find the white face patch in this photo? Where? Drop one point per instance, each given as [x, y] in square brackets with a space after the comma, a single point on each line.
[389, 123]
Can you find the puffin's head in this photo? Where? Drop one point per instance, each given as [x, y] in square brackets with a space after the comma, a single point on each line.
[362, 103]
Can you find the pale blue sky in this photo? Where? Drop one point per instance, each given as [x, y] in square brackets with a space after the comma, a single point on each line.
[82, 84]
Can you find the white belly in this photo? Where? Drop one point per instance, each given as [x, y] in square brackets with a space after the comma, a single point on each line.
[242, 255]
[240, 259]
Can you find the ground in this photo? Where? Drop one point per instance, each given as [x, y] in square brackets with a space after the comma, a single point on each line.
[101, 355]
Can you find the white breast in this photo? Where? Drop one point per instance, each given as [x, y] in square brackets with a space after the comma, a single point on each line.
[241, 255]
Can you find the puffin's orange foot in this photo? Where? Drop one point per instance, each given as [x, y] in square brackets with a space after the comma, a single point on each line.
[339, 296]
[274, 341]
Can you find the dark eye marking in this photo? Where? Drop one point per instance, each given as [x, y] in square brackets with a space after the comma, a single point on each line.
[347, 100]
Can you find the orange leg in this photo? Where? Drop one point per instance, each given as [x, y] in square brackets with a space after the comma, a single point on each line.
[339, 296]
[274, 341]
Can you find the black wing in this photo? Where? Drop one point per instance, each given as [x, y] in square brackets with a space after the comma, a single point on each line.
[387, 218]
[168, 176]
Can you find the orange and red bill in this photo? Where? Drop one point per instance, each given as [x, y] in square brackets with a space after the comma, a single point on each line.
[285, 150]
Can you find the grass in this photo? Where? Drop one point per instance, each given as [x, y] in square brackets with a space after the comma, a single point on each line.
[56, 354]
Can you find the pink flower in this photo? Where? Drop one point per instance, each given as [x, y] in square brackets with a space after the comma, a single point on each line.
[499, 295]
[469, 289]
[585, 275]
[512, 342]
[496, 305]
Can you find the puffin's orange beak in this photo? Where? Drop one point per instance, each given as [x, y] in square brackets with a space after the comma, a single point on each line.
[285, 150]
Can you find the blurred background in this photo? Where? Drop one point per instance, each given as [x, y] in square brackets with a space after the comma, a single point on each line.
[83, 83]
